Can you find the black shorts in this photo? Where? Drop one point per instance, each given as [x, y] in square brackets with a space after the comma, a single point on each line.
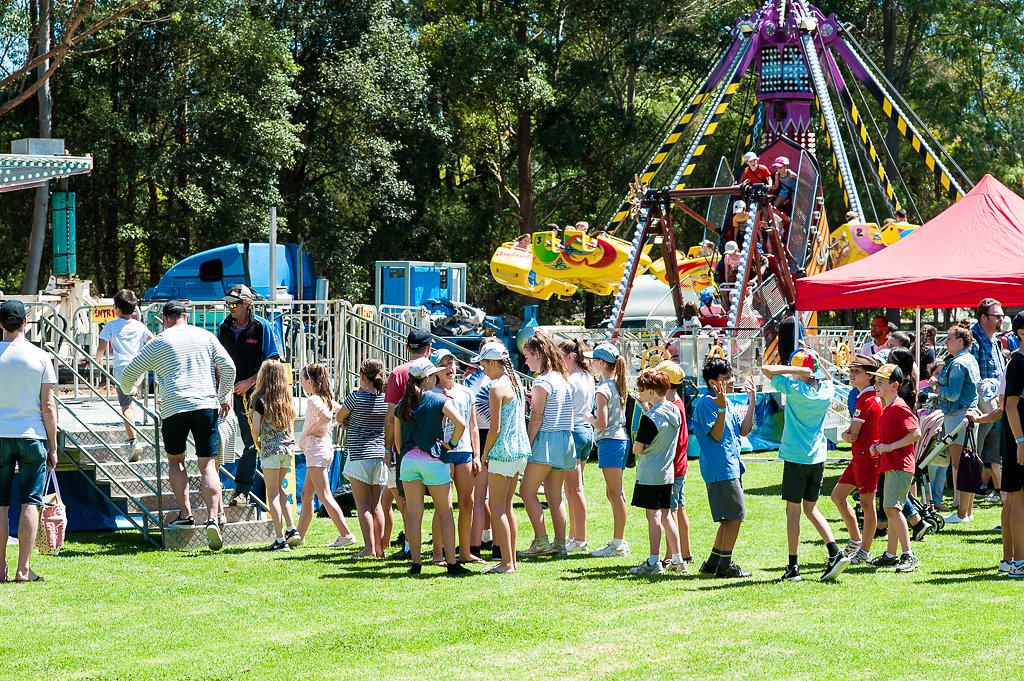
[1013, 472]
[652, 497]
[801, 481]
[725, 499]
[202, 423]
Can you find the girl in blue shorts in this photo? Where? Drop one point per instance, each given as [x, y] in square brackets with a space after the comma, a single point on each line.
[581, 383]
[611, 439]
[419, 430]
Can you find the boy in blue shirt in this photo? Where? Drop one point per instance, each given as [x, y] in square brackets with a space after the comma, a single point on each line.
[718, 429]
[803, 452]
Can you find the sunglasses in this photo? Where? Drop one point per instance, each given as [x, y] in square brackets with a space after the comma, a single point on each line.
[232, 306]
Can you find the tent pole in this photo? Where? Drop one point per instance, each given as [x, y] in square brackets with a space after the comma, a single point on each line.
[917, 340]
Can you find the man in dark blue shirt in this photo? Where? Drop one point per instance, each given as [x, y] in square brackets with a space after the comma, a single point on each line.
[249, 340]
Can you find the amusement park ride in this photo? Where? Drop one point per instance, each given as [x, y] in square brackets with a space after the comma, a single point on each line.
[797, 55]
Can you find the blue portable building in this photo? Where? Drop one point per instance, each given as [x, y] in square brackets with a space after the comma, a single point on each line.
[211, 274]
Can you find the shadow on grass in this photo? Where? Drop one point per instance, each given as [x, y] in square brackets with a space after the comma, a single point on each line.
[125, 543]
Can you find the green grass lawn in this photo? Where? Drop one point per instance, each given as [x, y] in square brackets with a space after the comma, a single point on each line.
[114, 609]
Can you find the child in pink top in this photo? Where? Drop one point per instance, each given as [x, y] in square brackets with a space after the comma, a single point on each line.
[317, 444]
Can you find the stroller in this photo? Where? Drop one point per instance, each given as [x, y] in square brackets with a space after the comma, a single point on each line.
[931, 445]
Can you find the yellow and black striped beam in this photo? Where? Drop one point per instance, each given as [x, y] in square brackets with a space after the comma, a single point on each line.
[677, 133]
[862, 134]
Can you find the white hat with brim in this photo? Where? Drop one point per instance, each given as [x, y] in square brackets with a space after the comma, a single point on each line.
[492, 351]
[423, 367]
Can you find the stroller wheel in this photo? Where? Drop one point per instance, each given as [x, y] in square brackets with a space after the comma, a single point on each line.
[940, 523]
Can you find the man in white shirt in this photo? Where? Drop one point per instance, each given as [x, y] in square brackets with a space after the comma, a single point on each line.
[28, 433]
[125, 338]
[879, 337]
[185, 359]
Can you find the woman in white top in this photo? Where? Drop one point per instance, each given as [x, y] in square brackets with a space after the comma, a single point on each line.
[611, 439]
[553, 452]
[581, 384]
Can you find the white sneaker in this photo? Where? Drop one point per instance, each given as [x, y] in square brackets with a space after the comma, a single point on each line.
[576, 546]
[1017, 569]
[1005, 566]
[678, 568]
[610, 551]
[342, 541]
[954, 518]
[213, 538]
[645, 568]
[134, 451]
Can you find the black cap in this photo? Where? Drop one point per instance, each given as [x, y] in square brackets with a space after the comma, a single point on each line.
[418, 338]
[174, 308]
[1018, 322]
[12, 309]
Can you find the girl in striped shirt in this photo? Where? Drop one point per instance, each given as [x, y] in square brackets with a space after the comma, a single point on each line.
[363, 414]
[317, 445]
[553, 452]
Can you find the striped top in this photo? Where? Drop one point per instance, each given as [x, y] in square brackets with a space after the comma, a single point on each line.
[183, 359]
[365, 433]
[558, 405]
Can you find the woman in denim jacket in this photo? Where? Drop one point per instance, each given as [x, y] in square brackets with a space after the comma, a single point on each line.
[957, 387]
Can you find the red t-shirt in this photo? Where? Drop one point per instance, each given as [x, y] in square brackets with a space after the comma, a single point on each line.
[681, 461]
[867, 411]
[759, 175]
[394, 391]
[896, 421]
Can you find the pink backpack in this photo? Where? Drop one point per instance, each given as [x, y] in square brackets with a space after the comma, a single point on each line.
[53, 518]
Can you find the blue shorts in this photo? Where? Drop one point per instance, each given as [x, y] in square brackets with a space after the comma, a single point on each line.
[612, 453]
[30, 455]
[555, 449]
[785, 192]
[678, 495]
[583, 440]
[420, 466]
[456, 458]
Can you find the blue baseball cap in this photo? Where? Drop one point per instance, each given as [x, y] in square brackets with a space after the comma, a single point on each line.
[605, 352]
[437, 356]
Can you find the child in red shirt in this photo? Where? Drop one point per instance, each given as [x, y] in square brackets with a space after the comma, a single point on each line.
[862, 472]
[898, 430]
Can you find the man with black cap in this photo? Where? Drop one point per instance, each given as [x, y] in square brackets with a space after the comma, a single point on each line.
[250, 341]
[28, 433]
[183, 358]
[418, 345]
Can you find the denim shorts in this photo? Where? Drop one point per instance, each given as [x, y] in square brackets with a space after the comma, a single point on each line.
[202, 423]
[417, 465]
[583, 440]
[678, 495]
[612, 453]
[30, 455]
[555, 449]
[456, 458]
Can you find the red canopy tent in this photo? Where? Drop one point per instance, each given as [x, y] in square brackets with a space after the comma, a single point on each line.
[972, 250]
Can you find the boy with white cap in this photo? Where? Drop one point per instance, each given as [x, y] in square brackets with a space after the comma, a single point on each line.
[754, 170]
[803, 452]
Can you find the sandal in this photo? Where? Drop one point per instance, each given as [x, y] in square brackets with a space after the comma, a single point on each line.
[33, 578]
[493, 570]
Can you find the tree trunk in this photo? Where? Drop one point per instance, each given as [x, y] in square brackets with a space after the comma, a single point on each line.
[524, 142]
[30, 284]
[890, 14]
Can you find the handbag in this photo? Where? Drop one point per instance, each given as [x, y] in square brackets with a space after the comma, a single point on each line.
[53, 518]
[968, 475]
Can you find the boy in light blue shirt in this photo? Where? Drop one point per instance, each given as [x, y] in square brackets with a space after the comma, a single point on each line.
[803, 451]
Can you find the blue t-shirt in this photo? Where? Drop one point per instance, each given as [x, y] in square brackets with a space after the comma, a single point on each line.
[425, 431]
[803, 438]
[719, 459]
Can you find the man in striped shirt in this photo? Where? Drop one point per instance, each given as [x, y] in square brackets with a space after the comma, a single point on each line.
[185, 359]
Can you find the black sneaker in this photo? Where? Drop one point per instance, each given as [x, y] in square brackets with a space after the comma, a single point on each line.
[908, 563]
[921, 530]
[400, 541]
[706, 569]
[278, 545]
[401, 554]
[486, 545]
[881, 532]
[792, 574]
[884, 560]
[835, 566]
[733, 570]
[416, 568]
[496, 552]
[293, 538]
[458, 570]
[184, 523]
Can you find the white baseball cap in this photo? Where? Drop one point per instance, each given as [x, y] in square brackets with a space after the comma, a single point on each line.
[749, 156]
[731, 247]
[494, 351]
[423, 367]
[739, 206]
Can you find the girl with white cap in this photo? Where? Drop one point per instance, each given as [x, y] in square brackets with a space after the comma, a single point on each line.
[419, 428]
[553, 452]
[612, 441]
[506, 449]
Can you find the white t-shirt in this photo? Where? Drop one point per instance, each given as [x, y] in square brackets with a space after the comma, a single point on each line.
[127, 338]
[24, 369]
[582, 386]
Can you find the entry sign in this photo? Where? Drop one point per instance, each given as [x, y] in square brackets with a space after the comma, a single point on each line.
[101, 314]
